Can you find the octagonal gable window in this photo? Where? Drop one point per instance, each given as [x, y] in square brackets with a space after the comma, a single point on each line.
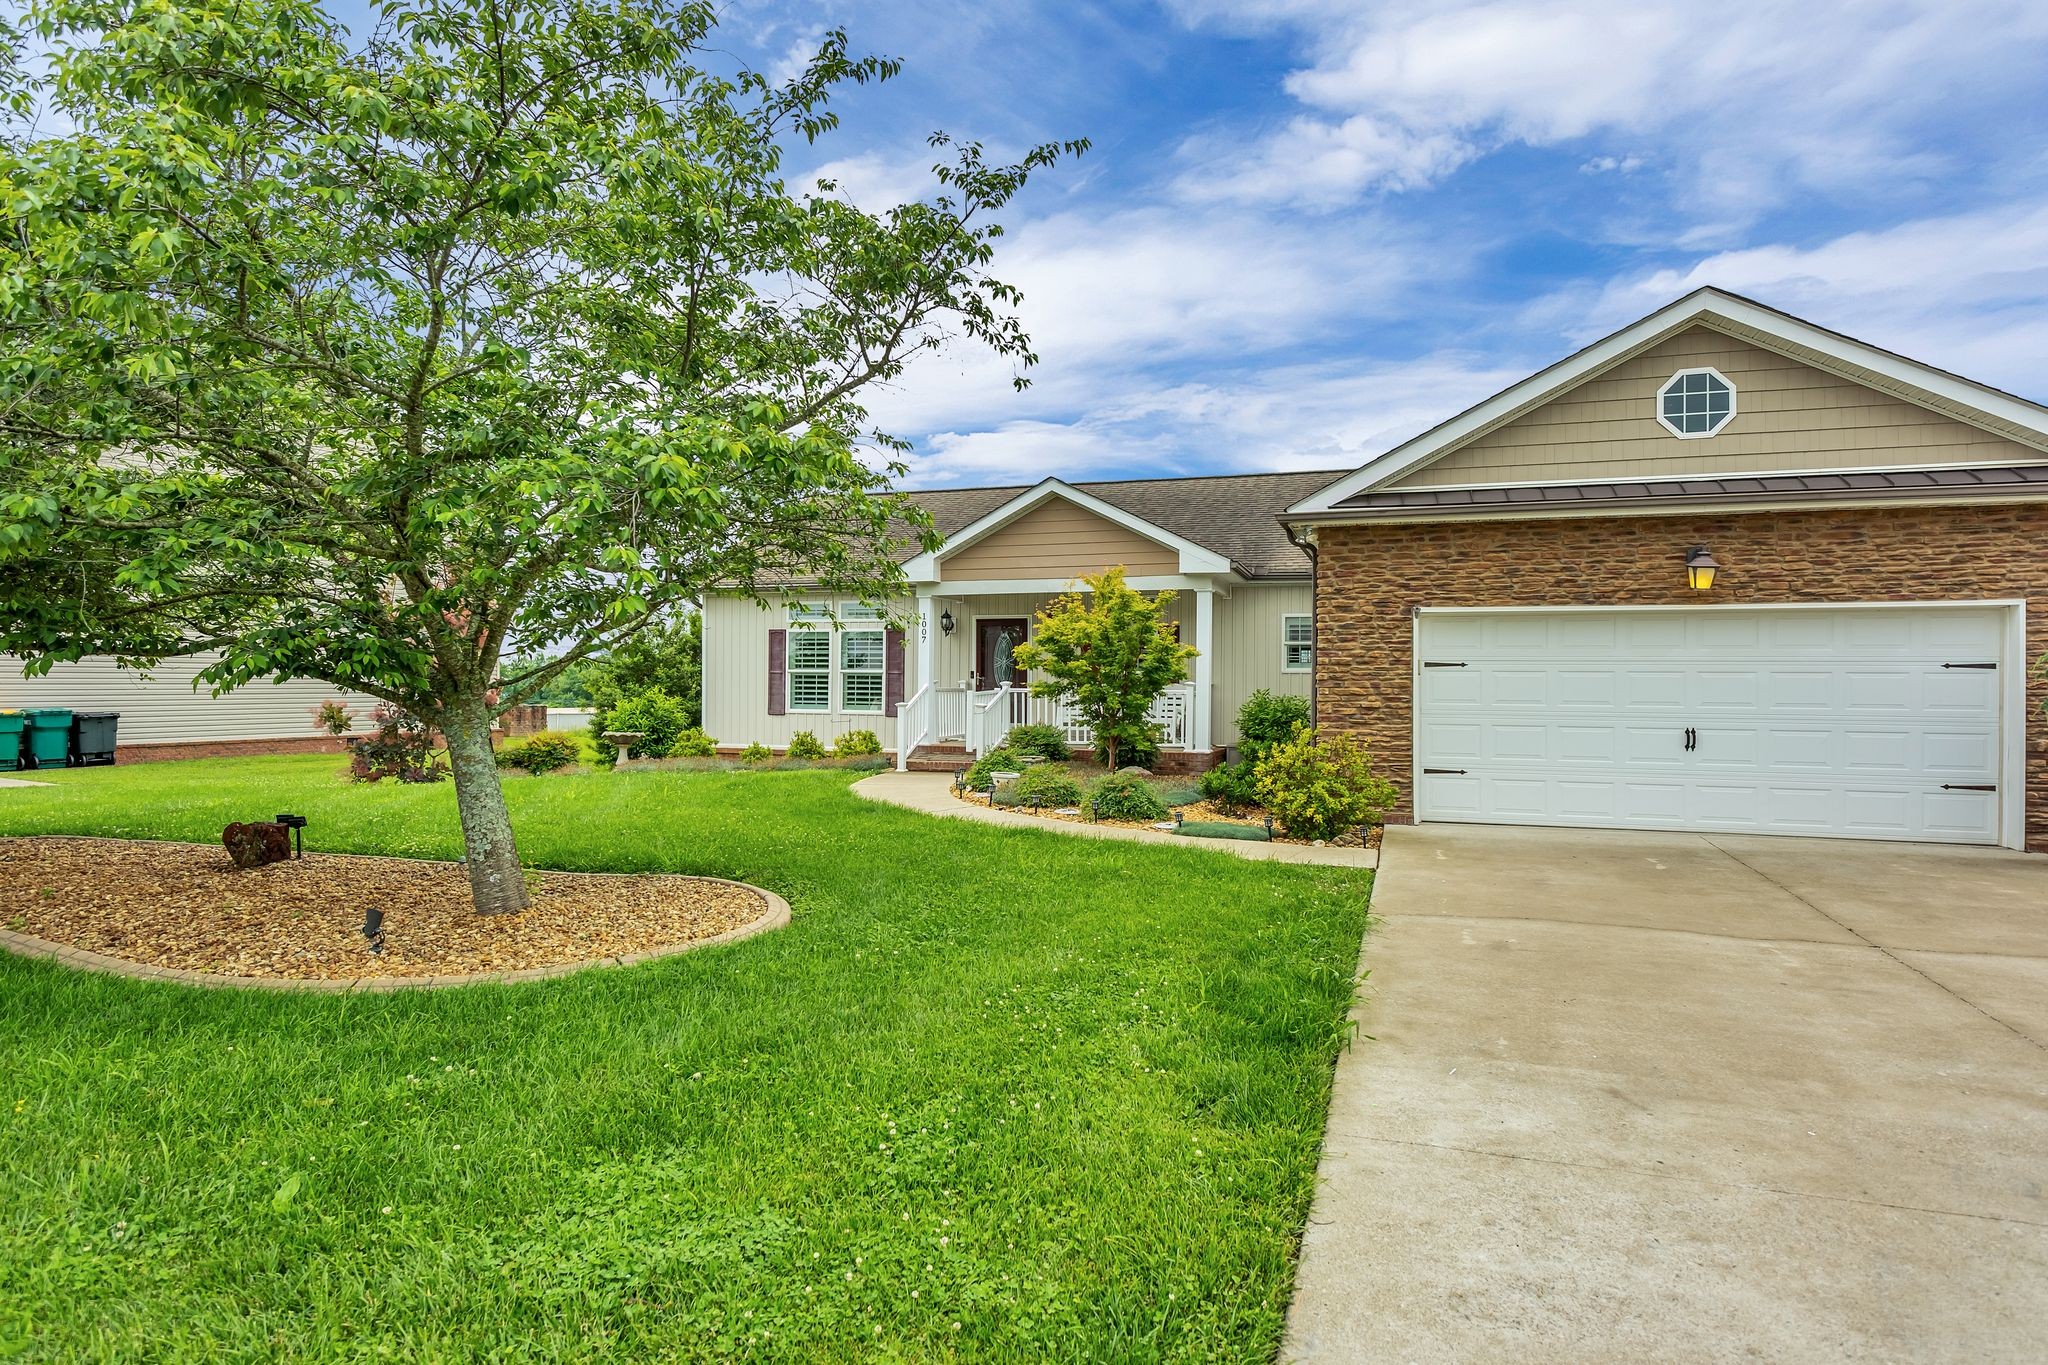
[1696, 403]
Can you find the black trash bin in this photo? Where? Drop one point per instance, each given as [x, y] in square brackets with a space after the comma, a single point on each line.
[92, 737]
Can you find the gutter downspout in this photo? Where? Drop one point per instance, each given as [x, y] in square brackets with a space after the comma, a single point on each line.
[1306, 543]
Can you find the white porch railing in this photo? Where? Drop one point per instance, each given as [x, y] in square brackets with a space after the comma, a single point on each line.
[913, 725]
[991, 714]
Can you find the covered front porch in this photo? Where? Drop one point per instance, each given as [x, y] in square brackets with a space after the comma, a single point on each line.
[970, 691]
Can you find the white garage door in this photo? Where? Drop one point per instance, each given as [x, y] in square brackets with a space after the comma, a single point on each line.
[1870, 722]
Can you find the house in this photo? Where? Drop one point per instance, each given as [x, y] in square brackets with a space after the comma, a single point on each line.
[166, 713]
[1243, 600]
[1723, 570]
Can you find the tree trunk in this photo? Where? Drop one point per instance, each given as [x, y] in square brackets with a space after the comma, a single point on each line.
[495, 882]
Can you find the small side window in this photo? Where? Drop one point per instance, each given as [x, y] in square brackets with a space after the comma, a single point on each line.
[1297, 643]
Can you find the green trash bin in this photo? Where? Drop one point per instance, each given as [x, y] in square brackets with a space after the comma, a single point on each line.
[11, 725]
[49, 736]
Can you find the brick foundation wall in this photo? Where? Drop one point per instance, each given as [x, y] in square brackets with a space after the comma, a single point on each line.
[222, 748]
[1368, 577]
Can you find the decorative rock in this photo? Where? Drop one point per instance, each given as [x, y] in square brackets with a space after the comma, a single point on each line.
[253, 845]
[1135, 771]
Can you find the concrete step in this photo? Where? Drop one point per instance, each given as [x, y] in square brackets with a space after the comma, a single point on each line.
[939, 758]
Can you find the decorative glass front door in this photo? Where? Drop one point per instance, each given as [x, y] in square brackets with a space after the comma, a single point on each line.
[995, 644]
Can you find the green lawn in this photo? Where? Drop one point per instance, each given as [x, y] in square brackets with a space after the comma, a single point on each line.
[994, 1094]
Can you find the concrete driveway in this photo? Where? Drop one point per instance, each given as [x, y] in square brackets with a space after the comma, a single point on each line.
[1626, 1096]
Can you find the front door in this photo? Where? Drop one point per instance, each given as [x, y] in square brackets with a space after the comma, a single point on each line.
[995, 642]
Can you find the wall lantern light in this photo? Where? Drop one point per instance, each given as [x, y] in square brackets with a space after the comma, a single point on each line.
[1700, 568]
[945, 623]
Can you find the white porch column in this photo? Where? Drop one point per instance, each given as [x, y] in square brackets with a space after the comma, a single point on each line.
[927, 641]
[1205, 642]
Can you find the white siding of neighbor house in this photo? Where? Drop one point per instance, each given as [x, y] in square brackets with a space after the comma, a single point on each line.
[1245, 657]
[163, 708]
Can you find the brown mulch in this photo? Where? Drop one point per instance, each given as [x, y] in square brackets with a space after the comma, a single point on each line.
[187, 906]
[1196, 811]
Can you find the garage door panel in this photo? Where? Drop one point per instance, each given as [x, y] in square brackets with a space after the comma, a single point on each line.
[1839, 722]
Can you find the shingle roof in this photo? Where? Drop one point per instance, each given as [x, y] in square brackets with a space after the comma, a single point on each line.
[1236, 515]
[1986, 481]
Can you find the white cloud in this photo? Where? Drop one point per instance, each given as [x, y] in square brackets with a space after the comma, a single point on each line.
[1746, 98]
[877, 181]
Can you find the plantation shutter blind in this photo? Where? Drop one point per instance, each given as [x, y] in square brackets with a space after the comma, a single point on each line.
[778, 672]
[892, 671]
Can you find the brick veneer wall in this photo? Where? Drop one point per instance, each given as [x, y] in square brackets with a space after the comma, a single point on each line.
[1368, 577]
[172, 750]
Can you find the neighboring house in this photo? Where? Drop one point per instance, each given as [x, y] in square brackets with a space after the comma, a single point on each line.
[163, 716]
[1243, 601]
[1723, 570]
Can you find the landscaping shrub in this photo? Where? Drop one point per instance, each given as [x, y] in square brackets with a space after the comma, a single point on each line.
[1233, 786]
[1000, 759]
[854, 743]
[804, 744]
[1138, 750]
[692, 743]
[399, 747]
[1265, 720]
[541, 753]
[336, 718]
[1125, 796]
[1177, 791]
[756, 753]
[1221, 829]
[1317, 789]
[659, 718]
[1047, 786]
[1047, 741]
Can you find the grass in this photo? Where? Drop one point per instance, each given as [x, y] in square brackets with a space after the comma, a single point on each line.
[994, 1094]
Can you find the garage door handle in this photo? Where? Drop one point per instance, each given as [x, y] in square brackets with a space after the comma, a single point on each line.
[1969, 786]
[1692, 739]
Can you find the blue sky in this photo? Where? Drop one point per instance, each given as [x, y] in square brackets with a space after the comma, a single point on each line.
[1310, 228]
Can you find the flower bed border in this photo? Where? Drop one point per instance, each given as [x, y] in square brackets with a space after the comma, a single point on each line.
[775, 915]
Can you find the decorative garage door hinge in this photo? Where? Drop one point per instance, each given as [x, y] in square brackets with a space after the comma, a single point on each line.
[1969, 786]
[1432, 663]
[1969, 665]
[1445, 772]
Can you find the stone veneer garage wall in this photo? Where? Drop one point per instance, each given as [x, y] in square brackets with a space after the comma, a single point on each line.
[1368, 577]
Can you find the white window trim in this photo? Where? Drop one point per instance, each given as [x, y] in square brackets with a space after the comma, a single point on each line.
[835, 620]
[799, 627]
[880, 673]
[1680, 432]
[1286, 644]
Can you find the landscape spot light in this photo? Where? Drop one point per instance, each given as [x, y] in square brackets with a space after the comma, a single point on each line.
[373, 928]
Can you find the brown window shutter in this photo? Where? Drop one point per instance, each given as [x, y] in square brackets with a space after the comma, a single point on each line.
[778, 672]
[892, 671]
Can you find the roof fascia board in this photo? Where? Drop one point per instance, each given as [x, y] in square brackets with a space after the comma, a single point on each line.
[1354, 516]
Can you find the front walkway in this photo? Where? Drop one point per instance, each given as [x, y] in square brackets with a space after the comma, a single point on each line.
[1624, 1096]
[932, 793]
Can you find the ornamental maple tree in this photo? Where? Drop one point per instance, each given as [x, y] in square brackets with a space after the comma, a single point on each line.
[496, 333]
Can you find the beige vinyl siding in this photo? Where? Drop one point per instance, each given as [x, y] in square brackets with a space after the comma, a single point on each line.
[736, 680]
[163, 707]
[1247, 655]
[1788, 416]
[1057, 539]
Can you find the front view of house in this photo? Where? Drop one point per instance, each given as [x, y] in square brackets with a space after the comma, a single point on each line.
[1723, 570]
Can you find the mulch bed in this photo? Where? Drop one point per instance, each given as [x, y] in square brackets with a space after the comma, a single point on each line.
[1202, 812]
[187, 906]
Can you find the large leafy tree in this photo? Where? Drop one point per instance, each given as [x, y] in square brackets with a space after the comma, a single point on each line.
[1109, 650]
[496, 330]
